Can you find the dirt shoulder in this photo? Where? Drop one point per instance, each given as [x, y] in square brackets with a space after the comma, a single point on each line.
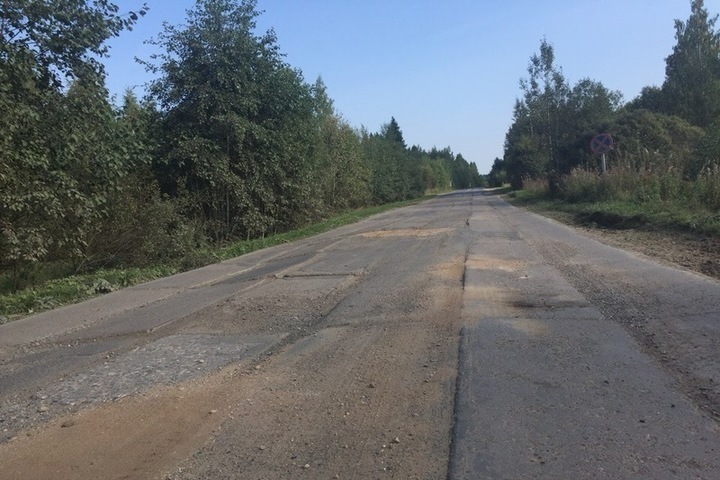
[693, 252]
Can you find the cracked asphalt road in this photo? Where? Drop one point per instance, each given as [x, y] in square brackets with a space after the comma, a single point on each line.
[460, 338]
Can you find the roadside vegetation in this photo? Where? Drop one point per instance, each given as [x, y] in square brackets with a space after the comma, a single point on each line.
[64, 289]
[620, 200]
[664, 168]
[230, 150]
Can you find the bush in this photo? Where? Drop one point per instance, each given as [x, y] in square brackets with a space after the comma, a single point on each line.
[706, 191]
[538, 188]
[140, 229]
[588, 186]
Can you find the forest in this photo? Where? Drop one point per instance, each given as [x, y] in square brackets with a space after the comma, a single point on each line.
[665, 163]
[230, 143]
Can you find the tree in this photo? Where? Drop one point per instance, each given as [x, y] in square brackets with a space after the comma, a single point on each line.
[649, 141]
[692, 72]
[435, 174]
[539, 119]
[343, 176]
[58, 158]
[63, 39]
[386, 159]
[392, 133]
[589, 106]
[706, 156]
[553, 123]
[443, 170]
[650, 98]
[498, 175]
[138, 227]
[237, 122]
[545, 101]
[522, 149]
[396, 174]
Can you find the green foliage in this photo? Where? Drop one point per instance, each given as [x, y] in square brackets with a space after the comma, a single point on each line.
[706, 156]
[663, 169]
[544, 104]
[553, 123]
[624, 199]
[647, 141]
[58, 172]
[692, 74]
[443, 170]
[650, 98]
[400, 173]
[342, 173]
[523, 157]
[25, 206]
[237, 122]
[498, 174]
[60, 39]
[60, 157]
[141, 228]
[232, 143]
[393, 134]
[465, 174]
[390, 182]
[395, 174]
[435, 175]
[691, 89]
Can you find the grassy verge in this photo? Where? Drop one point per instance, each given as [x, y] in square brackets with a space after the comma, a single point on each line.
[619, 214]
[243, 247]
[71, 289]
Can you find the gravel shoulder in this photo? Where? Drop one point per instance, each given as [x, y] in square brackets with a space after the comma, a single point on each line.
[686, 250]
[675, 320]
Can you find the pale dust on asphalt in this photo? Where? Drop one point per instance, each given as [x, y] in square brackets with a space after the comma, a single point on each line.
[690, 362]
[356, 396]
[343, 394]
[693, 252]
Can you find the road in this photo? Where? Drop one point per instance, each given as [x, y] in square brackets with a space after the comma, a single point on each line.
[460, 338]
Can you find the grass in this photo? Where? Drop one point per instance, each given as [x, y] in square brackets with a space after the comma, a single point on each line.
[244, 247]
[505, 189]
[74, 288]
[604, 202]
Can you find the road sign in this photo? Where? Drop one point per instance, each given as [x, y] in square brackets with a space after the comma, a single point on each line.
[601, 143]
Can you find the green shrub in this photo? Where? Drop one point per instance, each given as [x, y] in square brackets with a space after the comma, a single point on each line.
[706, 191]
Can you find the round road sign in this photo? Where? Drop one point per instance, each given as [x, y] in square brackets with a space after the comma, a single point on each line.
[601, 143]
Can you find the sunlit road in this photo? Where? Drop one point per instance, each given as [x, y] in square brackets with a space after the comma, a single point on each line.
[460, 338]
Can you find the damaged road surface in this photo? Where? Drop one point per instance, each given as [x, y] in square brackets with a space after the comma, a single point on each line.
[459, 338]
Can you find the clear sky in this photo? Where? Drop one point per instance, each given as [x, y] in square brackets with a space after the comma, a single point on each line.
[448, 71]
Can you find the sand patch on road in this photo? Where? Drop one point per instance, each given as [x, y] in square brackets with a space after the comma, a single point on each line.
[407, 232]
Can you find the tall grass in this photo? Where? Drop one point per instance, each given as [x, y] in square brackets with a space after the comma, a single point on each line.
[645, 186]
[631, 196]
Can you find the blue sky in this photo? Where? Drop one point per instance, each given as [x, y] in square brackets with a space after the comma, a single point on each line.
[448, 71]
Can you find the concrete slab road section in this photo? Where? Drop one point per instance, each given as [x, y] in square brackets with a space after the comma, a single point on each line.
[460, 338]
[551, 385]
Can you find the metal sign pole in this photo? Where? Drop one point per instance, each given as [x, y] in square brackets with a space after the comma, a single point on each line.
[600, 144]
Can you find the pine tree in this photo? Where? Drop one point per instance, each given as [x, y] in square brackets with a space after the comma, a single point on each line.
[692, 73]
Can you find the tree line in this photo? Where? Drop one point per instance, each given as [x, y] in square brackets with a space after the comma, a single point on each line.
[666, 136]
[230, 143]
